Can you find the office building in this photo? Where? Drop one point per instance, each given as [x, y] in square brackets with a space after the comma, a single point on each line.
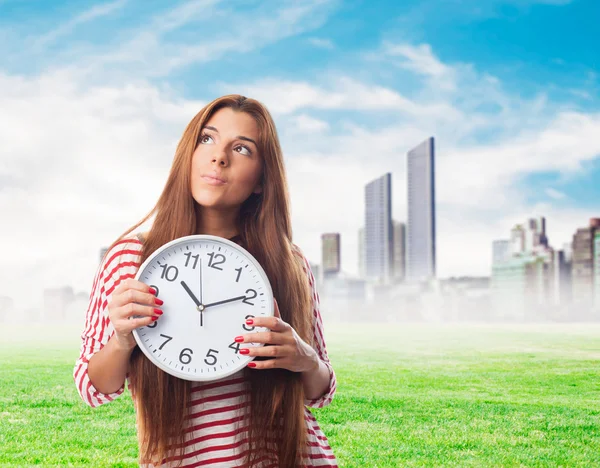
[330, 254]
[421, 242]
[378, 229]
[399, 251]
[583, 265]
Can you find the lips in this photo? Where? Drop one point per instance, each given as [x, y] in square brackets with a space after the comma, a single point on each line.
[213, 179]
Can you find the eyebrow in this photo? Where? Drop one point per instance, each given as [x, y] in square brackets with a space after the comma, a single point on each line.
[208, 127]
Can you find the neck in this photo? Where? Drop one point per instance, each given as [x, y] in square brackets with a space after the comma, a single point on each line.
[217, 222]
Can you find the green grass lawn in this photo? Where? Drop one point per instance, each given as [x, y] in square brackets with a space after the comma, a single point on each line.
[408, 395]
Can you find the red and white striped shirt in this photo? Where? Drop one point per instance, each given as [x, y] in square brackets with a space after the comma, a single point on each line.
[217, 436]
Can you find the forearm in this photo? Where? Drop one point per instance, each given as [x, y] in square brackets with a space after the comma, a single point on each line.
[108, 368]
[316, 380]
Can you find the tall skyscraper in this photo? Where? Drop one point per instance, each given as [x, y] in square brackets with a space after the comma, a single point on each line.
[378, 229]
[330, 249]
[362, 261]
[421, 262]
[517, 240]
[583, 264]
[399, 251]
[561, 278]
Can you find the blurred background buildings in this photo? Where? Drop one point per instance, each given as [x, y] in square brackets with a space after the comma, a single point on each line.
[530, 280]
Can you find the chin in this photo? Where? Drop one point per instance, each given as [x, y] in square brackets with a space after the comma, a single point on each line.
[208, 202]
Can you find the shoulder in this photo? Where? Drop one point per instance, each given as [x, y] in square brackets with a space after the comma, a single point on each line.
[124, 253]
[302, 259]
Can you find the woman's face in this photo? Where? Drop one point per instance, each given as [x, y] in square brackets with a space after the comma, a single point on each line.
[226, 165]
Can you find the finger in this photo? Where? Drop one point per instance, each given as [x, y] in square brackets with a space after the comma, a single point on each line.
[272, 323]
[262, 337]
[139, 322]
[268, 364]
[135, 295]
[265, 351]
[132, 309]
[131, 283]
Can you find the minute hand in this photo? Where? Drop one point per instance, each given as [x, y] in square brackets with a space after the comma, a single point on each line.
[225, 301]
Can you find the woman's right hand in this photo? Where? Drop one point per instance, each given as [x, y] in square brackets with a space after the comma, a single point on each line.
[132, 298]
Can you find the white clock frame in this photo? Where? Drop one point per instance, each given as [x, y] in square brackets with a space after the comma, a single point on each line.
[181, 309]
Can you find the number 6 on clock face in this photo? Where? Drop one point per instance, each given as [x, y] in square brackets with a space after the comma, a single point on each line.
[210, 286]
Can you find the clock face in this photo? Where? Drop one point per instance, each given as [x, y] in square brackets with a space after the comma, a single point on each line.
[209, 286]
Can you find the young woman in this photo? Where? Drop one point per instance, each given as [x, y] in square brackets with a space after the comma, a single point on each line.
[228, 180]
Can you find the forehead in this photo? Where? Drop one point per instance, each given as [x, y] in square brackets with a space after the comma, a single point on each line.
[234, 123]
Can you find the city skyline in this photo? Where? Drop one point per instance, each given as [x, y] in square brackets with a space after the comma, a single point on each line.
[94, 98]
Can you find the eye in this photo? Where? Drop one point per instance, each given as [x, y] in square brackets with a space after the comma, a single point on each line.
[243, 150]
[205, 139]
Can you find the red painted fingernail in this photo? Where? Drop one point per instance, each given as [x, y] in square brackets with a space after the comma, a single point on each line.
[244, 351]
[154, 319]
[251, 364]
[249, 322]
[152, 291]
[239, 339]
[158, 311]
[159, 301]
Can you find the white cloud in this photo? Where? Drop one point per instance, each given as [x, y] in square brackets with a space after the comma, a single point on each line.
[321, 43]
[151, 52]
[555, 194]
[419, 59]
[306, 124]
[342, 92]
[66, 28]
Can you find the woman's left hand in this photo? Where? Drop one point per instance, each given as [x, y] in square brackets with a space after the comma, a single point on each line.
[287, 349]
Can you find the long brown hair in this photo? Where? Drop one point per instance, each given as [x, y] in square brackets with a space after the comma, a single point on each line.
[276, 414]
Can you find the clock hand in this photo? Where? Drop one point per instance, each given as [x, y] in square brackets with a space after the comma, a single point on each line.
[201, 308]
[191, 294]
[200, 280]
[225, 301]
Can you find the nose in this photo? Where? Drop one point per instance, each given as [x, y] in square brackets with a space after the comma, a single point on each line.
[221, 158]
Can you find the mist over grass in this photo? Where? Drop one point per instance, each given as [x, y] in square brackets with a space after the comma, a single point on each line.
[408, 395]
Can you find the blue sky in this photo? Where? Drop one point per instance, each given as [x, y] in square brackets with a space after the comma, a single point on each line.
[509, 88]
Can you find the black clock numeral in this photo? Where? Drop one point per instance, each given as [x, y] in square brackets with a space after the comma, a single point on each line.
[169, 338]
[235, 346]
[246, 301]
[239, 270]
[189, 256]
[169, 272]
[213, 357]
[246, 327]
[153, 324]
[155, 288]
[186, 357]
[216, 259]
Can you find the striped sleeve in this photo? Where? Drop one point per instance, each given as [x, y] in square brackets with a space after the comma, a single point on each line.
[120, 263]
[318, 339]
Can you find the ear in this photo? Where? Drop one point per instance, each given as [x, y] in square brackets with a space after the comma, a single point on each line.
[258, 189]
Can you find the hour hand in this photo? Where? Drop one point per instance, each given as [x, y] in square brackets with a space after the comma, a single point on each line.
[191, 294]
[225, 301]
